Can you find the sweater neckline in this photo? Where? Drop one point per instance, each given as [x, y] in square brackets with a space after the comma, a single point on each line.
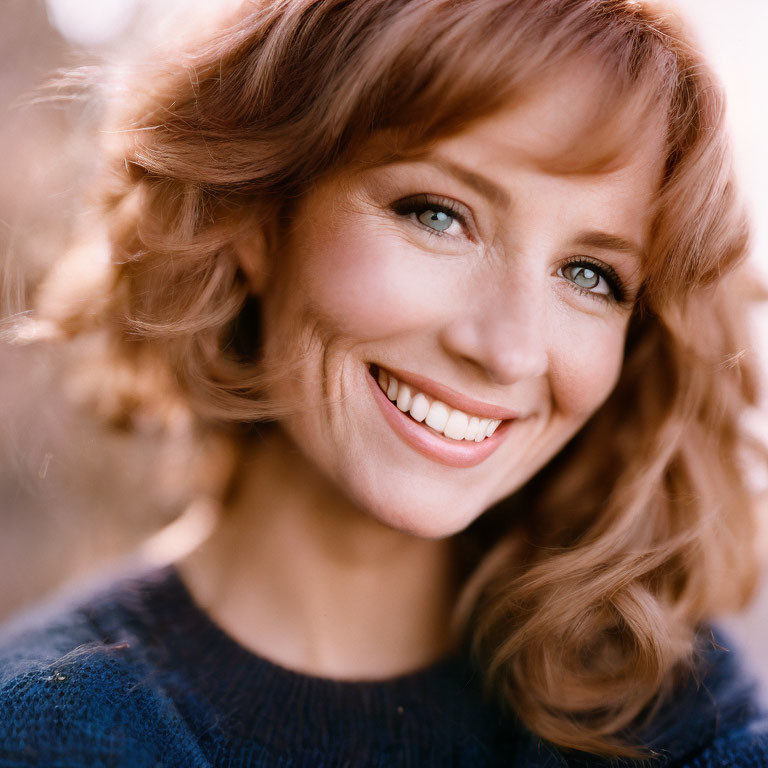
[256, 698]
[224, 690]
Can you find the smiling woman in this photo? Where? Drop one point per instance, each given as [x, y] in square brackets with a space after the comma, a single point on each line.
[466, 292]
[464, 283]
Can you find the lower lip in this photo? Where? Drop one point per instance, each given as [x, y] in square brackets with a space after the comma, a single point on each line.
[454, 453]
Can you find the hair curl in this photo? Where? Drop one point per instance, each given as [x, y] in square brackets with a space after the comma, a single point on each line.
[592, 580]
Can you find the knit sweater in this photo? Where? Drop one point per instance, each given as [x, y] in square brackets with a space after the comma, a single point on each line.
[134, 674]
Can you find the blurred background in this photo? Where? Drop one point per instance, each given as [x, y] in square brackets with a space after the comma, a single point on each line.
[74, 497]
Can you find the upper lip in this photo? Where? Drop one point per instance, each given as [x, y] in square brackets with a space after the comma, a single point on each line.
[451, 397]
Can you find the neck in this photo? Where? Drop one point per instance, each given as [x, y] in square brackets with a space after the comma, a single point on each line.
[300, 575]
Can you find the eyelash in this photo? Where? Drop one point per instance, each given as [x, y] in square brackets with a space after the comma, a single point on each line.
[418, 204]
[618, 292]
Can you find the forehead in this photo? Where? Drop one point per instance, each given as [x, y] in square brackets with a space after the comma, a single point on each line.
[576, 119]
[579, 121]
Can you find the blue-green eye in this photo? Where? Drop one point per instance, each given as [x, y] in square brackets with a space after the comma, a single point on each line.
[597, 280]
[583, 276]
[435, 219]
[436, 214]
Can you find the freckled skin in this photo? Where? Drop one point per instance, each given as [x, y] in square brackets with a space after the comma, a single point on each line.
[480, 308]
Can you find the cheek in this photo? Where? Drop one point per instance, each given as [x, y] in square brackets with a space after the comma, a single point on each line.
[368, 282]
[586, 366]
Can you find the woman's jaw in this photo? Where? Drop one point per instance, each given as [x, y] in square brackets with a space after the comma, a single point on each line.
[399, 471]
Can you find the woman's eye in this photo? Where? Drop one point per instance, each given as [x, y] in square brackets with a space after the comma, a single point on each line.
[439, 220]
[600, 282]
[585, 277]
[436, 215]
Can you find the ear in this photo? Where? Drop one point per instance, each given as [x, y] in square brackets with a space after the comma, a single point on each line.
[251, 248]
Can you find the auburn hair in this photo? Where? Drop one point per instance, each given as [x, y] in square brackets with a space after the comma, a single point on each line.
[588, 585]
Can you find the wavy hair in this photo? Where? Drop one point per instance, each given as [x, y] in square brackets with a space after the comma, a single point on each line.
[588, 586]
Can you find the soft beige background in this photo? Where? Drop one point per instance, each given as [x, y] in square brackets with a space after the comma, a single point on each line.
[74, 498]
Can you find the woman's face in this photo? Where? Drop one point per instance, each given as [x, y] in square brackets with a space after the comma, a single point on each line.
[492, 278]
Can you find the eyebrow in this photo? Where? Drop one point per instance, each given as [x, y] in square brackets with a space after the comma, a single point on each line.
[609, 242]
[477, 181]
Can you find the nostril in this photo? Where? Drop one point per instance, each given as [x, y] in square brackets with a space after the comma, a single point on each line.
[504, 346]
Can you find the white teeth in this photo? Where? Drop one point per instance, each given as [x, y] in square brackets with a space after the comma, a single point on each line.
[492, 427]
[404, 396]
[437, 417]
[452, 422]
[472, 427]
[457, 425]
[481, 430]
[419, 407]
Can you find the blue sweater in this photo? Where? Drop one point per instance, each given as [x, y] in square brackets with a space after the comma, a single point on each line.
[133, 674]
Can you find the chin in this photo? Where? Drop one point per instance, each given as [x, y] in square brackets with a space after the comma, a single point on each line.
[424, 520]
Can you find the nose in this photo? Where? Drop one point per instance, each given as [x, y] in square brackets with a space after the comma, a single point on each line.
[500, 329]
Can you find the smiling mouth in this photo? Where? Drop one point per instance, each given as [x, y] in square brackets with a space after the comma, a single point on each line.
[437, 417]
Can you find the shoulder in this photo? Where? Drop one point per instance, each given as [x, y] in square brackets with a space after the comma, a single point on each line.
[717, 718]
[713, 719]
[73, 688]
[745, 749]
